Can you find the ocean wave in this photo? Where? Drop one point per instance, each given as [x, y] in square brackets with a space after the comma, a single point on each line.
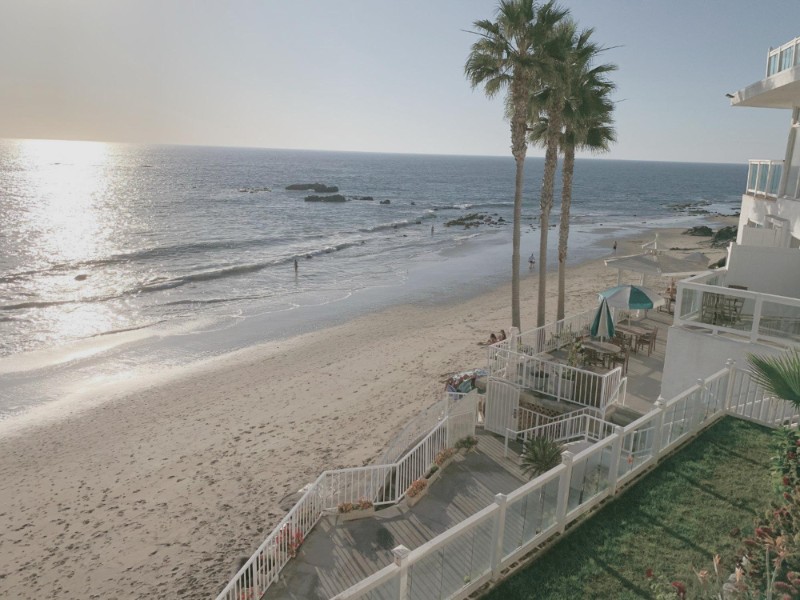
[158, 252]
[473, 206]
[35, 304]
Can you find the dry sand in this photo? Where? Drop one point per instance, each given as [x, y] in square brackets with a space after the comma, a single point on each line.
[158, 494]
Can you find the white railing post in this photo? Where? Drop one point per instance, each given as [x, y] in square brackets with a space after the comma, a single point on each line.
[658, 426]
[401, 560]
[729, 364]
[616, 455]
[563, 491]
[696, 406]
[756, 318]
[497, 535]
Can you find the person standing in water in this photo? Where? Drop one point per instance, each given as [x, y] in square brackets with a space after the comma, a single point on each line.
[296, 266]
[615, 246]
[431, 230]
[531, 261]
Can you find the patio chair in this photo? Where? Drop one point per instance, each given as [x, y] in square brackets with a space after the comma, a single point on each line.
[648, 341]
[729, 310]
[590, 357]
[620, 358]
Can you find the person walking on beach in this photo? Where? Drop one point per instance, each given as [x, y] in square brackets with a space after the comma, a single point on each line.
[531, 261]
[615, 246]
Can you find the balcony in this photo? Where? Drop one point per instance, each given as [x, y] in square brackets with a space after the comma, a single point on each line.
[783, 58]
[704, 302]
[763, 178]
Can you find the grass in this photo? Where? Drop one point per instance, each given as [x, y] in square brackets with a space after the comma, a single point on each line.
[675, 518]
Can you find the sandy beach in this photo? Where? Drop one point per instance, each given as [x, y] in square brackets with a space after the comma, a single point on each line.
[159, 493]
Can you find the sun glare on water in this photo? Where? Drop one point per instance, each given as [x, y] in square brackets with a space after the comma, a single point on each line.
[66, 218]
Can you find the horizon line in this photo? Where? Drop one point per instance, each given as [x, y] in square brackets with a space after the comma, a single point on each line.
[252, 147]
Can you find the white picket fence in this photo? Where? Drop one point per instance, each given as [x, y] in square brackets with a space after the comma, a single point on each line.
[448, 420]
[459, 561]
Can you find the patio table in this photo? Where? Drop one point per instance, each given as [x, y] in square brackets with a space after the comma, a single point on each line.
[633, 331]
[602, 348]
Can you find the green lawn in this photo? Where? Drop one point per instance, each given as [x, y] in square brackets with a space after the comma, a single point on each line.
[676, 517]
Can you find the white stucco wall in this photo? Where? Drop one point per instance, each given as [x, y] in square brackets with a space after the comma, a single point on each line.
[756, 211]
[766, 270]
[692, 355]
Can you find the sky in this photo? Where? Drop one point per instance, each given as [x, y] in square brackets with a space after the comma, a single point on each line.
[372, 75]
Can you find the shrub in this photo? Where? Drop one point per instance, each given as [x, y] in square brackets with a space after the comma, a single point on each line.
[467, 442]
[539, 455]
[431, 471]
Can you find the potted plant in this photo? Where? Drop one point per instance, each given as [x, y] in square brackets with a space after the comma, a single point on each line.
[350, 511]
[416, 491]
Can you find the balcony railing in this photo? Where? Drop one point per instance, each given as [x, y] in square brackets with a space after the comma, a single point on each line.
[764, 177]
[784, 57]
[704, 302]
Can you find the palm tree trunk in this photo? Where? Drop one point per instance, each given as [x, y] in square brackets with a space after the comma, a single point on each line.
[519, 148]
[567, 170]
[546, 205]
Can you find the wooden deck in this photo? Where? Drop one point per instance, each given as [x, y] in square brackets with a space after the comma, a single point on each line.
[336, 556]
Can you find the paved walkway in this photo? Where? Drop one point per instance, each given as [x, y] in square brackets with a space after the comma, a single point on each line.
[335, 556]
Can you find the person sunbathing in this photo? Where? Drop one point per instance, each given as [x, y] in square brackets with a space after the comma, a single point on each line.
[502, 335]
[492, 340]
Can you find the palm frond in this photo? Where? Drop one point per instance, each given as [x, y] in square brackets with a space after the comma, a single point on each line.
[778, 375]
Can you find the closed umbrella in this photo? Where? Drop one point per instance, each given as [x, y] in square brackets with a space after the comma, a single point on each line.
[632, 297]
[603, 322]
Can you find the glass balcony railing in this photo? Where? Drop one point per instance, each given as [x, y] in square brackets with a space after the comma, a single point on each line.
[764, 177]
[706, 303]
[784, 57]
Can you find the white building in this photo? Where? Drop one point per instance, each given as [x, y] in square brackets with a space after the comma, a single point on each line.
[753, 305]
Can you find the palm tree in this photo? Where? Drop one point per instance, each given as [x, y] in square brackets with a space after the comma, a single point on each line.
[572, 111]
[588, 125]
[506, 57]
[778, 375]
[539, 455]
[546, 107]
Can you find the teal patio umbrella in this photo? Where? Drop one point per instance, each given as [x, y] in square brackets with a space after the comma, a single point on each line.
[632, 297]
[603, 322]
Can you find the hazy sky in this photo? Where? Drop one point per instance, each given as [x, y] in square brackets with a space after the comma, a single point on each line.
[371, 75]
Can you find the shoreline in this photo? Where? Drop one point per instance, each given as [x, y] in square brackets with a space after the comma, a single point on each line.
[157, 492]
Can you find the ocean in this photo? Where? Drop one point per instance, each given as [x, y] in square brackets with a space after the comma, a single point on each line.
[114, 257]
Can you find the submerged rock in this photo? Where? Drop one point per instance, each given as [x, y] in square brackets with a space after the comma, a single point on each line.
[334, 198]
[385, 202]
[320, 188]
